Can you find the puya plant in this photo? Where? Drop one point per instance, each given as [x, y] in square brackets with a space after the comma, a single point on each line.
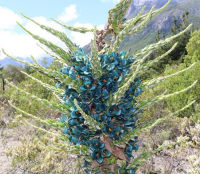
[97, 93]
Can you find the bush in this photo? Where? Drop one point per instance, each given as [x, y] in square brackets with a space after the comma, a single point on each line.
[180, 81]
[193, 48]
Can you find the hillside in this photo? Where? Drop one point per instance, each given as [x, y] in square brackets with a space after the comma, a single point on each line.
[162, 22]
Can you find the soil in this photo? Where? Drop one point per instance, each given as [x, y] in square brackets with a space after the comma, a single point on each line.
[4, 161]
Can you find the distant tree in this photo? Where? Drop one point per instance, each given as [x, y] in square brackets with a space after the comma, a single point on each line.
[14, 73]
[177, 55]
[28, 69]
[2, 78]
[175, 26]
[158, 36]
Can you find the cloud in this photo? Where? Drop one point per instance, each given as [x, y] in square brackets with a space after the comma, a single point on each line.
[82, 39]
[69, 14]
[8, 18]
[22, 44]
[19, 45]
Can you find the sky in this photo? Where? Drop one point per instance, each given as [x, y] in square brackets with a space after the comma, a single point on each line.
[18, 43]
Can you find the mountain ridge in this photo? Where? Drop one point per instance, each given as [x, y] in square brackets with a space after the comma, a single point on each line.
[162, 22]
[8, 61]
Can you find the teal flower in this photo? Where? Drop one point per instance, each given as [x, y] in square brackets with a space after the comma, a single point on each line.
[65, 70]
[85, 142]
[71, 93]
[100, 107]
[105, 153]
[110, 67]
[104, 80]
[96, 155]
[74, 140]
[112, 88]
[109, 128]
[110, 62]
[129, 128]
[74, 74]
[67, 131]
[86, 164]
[77, 131]
[96, 144]
[99, 117]
[75, 114]
[131, 60]
[130, 147]
[124, 171]
[75, 117]
[117, 76]
[130, 119]
[137, 91]
[64, 119]
[87, 84]
[73, 122]
[127, 108]
[131, 171]
[114, 111]
[137, 81]
[118, 132]
[98, 92]
[79, 55]
[57, 85]
[104, 94]
[133, 143]
[100, 154]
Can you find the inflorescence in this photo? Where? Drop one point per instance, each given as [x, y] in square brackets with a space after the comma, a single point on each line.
[115, 120]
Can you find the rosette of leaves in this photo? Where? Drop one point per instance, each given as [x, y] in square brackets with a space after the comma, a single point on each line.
[98, 93]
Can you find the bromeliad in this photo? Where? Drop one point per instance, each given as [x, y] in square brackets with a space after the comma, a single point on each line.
[100, 90]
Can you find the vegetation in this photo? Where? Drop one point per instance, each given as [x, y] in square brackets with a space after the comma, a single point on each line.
[2, 79]
[147, 36]
[181, 81]
[46, 147]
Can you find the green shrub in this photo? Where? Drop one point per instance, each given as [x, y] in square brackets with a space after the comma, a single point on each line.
[180, 81]
[193, 48]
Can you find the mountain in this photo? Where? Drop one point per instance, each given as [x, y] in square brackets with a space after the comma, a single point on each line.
[8, 61]
[162, 22]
